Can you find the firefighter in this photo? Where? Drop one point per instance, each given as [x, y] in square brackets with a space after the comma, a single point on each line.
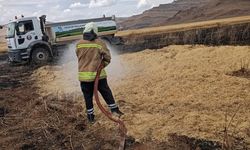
[91, 52]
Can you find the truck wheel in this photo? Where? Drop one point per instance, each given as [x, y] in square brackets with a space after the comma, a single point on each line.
[40, 56]
[116, 41]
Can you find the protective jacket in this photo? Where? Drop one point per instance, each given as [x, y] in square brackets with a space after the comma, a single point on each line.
[90, 54]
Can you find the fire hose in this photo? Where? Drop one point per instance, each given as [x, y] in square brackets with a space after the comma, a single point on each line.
[122, 127]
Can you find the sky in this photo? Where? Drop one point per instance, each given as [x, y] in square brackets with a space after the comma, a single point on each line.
[64, 10]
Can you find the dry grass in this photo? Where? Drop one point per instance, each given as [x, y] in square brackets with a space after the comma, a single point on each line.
[177, 89]
[3, 44]
[229, 133]
[186, 26]
[3, 47]
[184, 89]
[243, 70]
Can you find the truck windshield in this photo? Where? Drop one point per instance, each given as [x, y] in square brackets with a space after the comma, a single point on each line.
[11, 30]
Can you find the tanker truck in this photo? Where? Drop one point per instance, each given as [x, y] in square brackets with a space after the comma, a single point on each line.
[32, 39]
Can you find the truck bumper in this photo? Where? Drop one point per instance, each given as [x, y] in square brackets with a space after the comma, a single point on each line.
[18, 55]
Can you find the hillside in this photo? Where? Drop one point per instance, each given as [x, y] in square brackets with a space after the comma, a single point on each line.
[213, 10]
[183, 11]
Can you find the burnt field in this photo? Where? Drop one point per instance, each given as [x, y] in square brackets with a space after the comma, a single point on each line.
[199, 98]
[30, 121]
[34, 120]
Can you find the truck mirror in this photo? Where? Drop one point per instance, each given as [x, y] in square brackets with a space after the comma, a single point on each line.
[43, 18]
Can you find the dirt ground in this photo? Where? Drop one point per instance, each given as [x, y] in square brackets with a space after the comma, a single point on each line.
[178, 97]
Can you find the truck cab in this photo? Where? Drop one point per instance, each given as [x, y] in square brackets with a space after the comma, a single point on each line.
[22, 35]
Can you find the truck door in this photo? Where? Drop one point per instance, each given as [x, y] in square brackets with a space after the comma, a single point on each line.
[25, 34]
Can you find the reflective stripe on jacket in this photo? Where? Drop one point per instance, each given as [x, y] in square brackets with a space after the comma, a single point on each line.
[90, 55]
[90, 76]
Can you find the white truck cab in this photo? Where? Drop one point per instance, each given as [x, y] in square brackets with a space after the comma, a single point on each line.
[23, 32]
[31, 39]
[25, 40]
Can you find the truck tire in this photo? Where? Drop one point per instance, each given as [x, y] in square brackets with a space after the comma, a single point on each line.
[116, 41]
[40, 56]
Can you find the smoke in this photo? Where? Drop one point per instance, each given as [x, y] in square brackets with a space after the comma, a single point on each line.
[69, 69]
[62, 77]
[69, 60]
[69, 54]
[70, 63]
[116, 69]
[67, 78]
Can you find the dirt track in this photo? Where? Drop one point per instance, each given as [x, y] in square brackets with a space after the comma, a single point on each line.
[173, 98]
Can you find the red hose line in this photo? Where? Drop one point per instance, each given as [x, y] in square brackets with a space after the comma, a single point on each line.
[122, 127]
